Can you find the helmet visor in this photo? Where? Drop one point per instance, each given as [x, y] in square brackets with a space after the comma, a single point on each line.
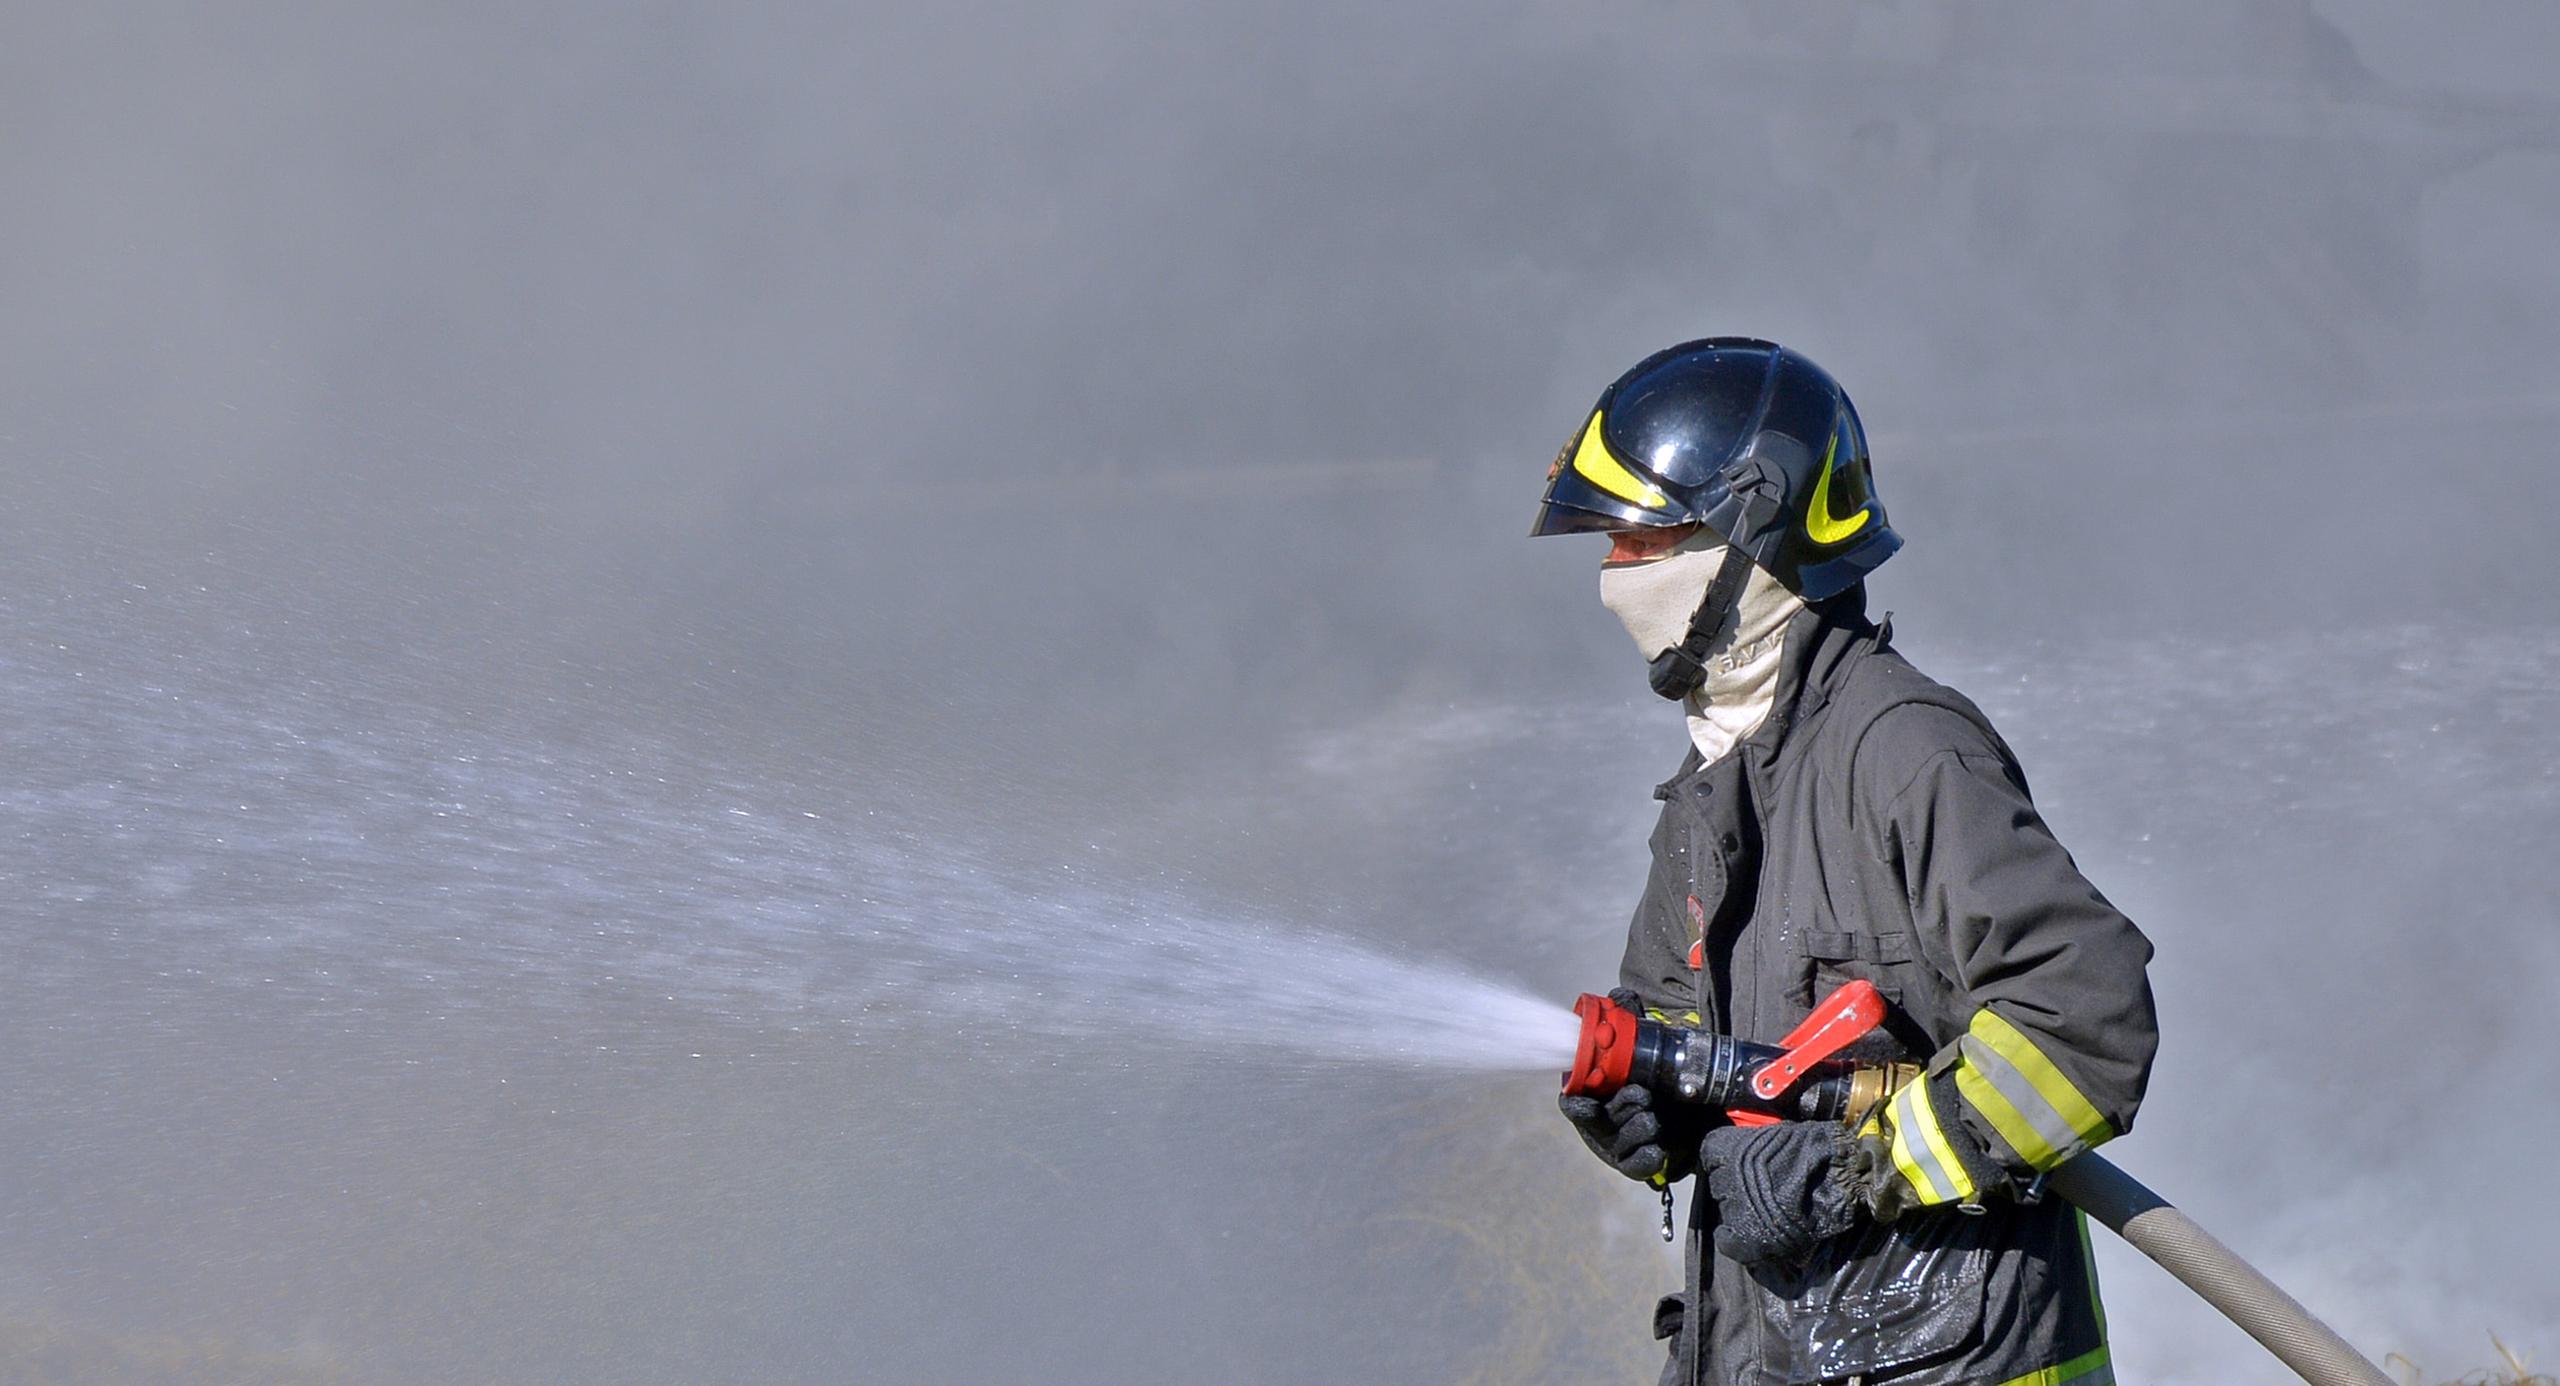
[1564, 519]
[1589, 488]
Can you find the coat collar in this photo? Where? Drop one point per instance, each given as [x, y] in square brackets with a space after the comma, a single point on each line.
[1823, 641]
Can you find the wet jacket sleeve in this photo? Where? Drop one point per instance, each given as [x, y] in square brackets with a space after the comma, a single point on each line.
[2058, 1045]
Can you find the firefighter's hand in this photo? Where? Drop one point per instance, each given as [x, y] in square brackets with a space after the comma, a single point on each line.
[1775, 1193]
[1626, 1132]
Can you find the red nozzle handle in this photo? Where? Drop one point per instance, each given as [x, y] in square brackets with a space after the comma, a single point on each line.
[1606, 1048]
[1843, 1016]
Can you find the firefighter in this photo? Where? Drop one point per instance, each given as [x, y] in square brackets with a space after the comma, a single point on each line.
[1839, 815]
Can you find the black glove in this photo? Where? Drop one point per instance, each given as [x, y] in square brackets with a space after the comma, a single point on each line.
[1627, 1133]
[1624, 1132]
[1776, 1194]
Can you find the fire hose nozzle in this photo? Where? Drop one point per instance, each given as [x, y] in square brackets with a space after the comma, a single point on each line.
[1799, 1079]
[1606, 1047]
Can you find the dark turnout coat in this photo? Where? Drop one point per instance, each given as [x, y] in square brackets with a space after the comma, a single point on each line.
[1877, 827]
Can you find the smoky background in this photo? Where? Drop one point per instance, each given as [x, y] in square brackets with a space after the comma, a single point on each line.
[515, 521]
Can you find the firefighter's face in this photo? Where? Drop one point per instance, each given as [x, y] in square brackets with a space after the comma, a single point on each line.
[1644, 545]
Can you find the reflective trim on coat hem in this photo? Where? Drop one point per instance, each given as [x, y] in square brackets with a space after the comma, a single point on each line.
[2089, 1369]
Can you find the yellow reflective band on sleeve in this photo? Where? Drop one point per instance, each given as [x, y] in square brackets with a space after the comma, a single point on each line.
[1593, 461]
[2005, 1118]
[1920, 1148]
[2023, 1096]
[1910, 1168]
[2090, 1368]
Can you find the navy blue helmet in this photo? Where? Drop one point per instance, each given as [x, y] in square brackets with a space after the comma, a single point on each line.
[1752, 440]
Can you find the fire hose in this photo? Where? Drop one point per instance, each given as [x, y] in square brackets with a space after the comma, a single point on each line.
[1804, 1077]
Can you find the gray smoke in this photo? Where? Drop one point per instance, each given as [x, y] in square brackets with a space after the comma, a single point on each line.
[852, 694]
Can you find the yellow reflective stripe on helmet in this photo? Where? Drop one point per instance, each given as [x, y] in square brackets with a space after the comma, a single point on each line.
[2023, 1096]
[1920, 1148]
[2090, 1368]
[1818, 524]
[1592, 459]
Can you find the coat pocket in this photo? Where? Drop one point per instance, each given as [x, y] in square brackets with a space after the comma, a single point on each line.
[1885, 1300]
[1832, 958]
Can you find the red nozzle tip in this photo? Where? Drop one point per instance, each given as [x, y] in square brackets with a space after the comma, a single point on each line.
[1604, 1050]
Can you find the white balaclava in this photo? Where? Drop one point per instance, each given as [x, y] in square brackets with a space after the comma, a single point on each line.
[1656, 598]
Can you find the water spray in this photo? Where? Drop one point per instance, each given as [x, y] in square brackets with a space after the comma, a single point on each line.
[1803, 1078]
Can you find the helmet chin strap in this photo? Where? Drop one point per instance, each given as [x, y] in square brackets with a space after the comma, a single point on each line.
[1677, 672]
